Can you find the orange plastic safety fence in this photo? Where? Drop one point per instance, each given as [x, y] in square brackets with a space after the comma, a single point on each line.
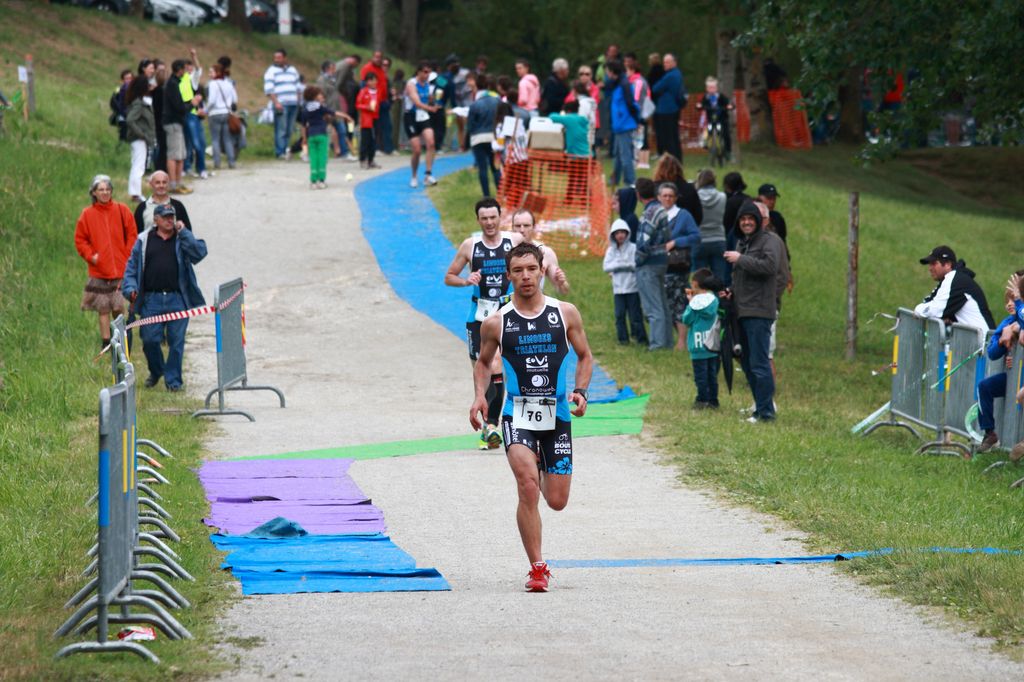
[789, 119]
[742, 115]
[567, 197]
[691, 121]
[691, 128]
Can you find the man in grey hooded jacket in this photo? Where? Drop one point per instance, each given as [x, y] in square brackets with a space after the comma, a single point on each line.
[756, 267]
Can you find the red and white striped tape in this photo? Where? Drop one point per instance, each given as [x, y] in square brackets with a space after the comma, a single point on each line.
[168, 317]
[182, 314]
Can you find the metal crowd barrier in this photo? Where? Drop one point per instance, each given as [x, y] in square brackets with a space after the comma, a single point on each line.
[905, 406]
[1009, 416]
[935, 386]
[965, 368]
[118, 361]
[112, 592]
[231, 369]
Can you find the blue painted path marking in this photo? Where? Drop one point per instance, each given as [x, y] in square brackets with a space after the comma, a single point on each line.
[404, 231]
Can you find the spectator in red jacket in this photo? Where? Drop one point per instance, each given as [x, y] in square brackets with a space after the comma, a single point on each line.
[376, 67]
[368, 104]
[104, 237]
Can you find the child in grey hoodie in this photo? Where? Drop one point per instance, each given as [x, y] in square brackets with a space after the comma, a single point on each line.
[620, 263]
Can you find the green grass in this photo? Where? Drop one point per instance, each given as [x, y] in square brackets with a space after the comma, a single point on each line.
[845, 492]
[48, 382]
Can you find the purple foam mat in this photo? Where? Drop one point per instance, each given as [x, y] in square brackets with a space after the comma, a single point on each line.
[238, 519]
[275, 468]
[283, 489]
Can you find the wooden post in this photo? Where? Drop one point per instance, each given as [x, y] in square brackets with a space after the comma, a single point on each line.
[851, 276]
[31, 85]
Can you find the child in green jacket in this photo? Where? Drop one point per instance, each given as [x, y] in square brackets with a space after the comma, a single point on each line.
[703, 338]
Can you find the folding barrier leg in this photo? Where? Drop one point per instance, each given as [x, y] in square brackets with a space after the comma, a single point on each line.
[156, 608]
[160, 618]
[159, 523]
[147, 470]
[168, 561]
[147, 459]
[896, 423]
[90, 647]
[82, 593]
[246, 387]
[163, 585]
[77, 616]
[131, 618]
[155, 507]
[149, 491]
[157, 596]
[156, 542]
[159, 568]
[154, 446]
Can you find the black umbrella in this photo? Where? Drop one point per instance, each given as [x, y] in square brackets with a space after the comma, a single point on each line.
[730, 347]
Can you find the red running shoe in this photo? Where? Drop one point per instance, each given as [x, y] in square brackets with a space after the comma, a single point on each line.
[539, 576]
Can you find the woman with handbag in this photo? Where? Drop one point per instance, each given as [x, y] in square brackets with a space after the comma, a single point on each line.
[221, 101]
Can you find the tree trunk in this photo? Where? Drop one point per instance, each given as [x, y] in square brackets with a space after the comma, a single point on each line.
[726, 62]
[851, 118]
[409, 40]
[362, 35]
[138, 9]
[757, 97]
[237, 17]
[379, 30]
[341, 19]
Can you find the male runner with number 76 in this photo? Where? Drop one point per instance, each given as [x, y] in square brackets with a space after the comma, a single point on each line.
[533, 333]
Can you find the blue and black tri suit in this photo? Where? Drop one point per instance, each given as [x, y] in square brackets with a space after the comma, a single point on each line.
[492, 291]
[533, 352]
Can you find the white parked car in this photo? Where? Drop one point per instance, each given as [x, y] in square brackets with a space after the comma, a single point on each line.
[179, 12]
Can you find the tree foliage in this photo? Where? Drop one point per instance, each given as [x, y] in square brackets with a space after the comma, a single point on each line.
[955, 55]
[579, 31]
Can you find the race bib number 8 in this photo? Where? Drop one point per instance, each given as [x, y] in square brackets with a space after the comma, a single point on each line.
[533, 414]
[422, 115]
[485, 307]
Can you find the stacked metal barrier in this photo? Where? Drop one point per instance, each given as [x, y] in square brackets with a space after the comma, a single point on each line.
[905, 408]
[934, 385]
[120, 542]
[231, 367]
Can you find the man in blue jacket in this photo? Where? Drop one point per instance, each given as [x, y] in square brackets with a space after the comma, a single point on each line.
[651, 265]
[480, 125]
[625, 119]
[669, 97]
[159, 279]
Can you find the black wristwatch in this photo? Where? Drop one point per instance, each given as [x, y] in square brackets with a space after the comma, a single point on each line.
[582, 392]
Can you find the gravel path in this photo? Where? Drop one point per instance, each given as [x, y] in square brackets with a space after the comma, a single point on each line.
[359, 365]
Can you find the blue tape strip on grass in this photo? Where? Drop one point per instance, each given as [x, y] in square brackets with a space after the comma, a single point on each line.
[813, 559]
[404, 231]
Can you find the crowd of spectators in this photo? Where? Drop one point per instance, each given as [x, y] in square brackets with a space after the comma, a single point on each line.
[159, 111]
[690, 239]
